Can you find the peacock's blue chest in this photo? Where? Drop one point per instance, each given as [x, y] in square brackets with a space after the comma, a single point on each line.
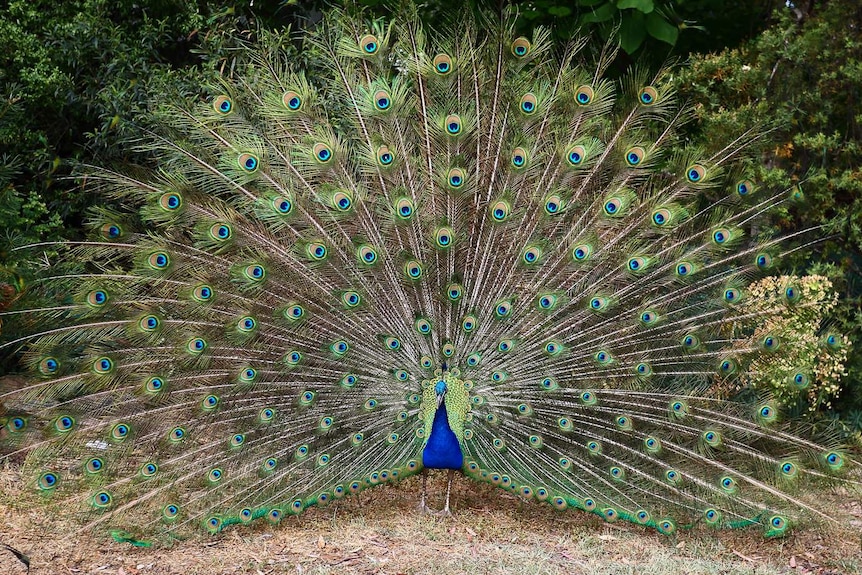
[442, 450]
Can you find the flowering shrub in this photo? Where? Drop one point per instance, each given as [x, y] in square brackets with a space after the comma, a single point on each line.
[808, 360]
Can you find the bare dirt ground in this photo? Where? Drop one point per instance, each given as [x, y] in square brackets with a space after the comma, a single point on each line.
[381, 531]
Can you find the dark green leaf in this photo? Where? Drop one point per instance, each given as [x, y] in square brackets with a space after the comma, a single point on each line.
[632, 31]
[661, 29]
[601, 14]
[645, 6]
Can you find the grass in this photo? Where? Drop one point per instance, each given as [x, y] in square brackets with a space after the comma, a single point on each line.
[382, 532]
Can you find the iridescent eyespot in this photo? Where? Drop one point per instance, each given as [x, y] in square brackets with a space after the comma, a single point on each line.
[443, 237]
[771, 342]
[469, 323]
[149, 323]
[322, 153]
[712, 516]
[553, 348]
[528, 104]
[453, 124]
[392, 343]
[176, 435]
[695, 173]
[575, 155]
[547, 301]
[97, 298]
[413, 269]
[291, 100]
[404, 208]
[48, 366]
[763, 261]
[103, 365]
[170, 512]
[679, 409]
[342, 201]
[16, 425]
[385, 156]
[643, 369]
[549, 384]
[553, 204]
[442, 64]
[767, 413]
[455, 178]
[282, 206]
[348, 381]
[247, 375]
[369, 44]
[588, 398]
[519, 158]
[613, 206]
[503, 309]
[744, 187]
[731, 295]
[64, 424]
[111, 231]
[210, 402]
[648, 96]
[351, 299]
[202, 293]
[727, 366]
[119, 432]
[690, 342]
[149, 470]
[582, 252]
[339, 347]
[712, 438]
[788, 469]
[505, 346]
[584, 95]
[448, 350]
[634, 156]
[521, 47]
[367, 255]
[159, 260]
[637, 264]
[652, 444]
[102, 500]
[170, 201]
[266, 415]
[255, 272]
[500, 210]
[800, 380]
[370, 404]
[454, 292]
[248, 162]
[598, 303]
[642, 517]
[423, 326]
[223, 105]
[382, 100]
[684, 269]
[792, 294]
[729, 485]
[48, 481]
[834, 460]
[661, 217]
[220, 232]
[154, 385]
[531, 255]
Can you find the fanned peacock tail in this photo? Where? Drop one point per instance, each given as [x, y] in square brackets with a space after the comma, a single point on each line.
[462, 236]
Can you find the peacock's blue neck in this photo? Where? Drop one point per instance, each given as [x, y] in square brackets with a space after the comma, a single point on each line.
[442, 450]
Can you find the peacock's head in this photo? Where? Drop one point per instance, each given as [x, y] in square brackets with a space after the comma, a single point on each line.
[440, 390]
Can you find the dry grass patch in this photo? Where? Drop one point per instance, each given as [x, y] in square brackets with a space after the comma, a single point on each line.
[382, 532]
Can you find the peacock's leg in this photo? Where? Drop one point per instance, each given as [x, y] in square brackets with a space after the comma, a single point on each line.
[422, 507]
[449, 477]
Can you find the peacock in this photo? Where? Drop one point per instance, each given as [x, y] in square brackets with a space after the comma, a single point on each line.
[467, 251]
